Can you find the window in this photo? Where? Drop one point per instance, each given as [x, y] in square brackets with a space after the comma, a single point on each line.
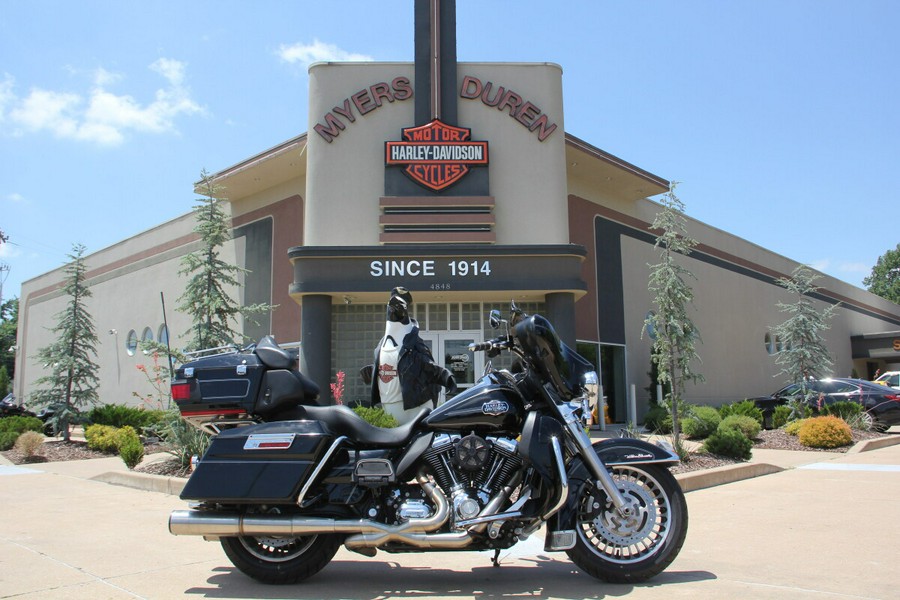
[146, 337]
[770, 343]
[162, 335]
[131, 343]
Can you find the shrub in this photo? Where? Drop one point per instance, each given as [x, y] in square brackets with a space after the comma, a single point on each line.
[131, 450]
[728, 442]
[702, 422]
[793, 428]
[825, 432]
[103, 438]
[658, 419]
[745, 408]
[376, 416]
[120, 415]
[184, 440]
[782, 416]
[8, 439]
[29, 443]
[746, 426]
[18, 424]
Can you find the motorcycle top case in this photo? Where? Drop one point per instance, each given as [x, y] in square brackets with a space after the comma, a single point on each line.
[265, 463]
[225, 384]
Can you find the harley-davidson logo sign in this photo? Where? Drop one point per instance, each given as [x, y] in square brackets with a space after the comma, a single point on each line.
[436, 155]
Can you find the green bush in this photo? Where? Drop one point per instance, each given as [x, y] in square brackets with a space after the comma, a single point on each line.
[825, 432]
[658, 419]
[746, 426]
[102, 438]
[728, 442]
[376, 417]
[793, 428]
[18, 424]
[745, 408]
[131, 450]
[782, 416]
[846, 410]
[8, 439]
[701, 423]
[120, 415]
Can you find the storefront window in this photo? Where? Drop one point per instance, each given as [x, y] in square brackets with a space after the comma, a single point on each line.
[131, 343]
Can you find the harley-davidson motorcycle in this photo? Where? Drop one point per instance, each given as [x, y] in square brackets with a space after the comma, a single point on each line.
[484, 471]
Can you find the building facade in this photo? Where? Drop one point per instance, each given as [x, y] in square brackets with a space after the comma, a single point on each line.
[459, 182]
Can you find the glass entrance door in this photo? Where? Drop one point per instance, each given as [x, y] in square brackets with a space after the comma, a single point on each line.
[450, 350]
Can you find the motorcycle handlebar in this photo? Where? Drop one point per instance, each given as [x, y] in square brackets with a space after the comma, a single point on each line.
[495, 344]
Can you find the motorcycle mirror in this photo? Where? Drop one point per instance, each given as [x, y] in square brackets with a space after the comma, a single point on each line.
[495, 319]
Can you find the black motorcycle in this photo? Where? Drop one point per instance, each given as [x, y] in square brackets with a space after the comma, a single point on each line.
[484, 471]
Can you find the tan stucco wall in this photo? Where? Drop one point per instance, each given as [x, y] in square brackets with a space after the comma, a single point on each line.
[346, 176]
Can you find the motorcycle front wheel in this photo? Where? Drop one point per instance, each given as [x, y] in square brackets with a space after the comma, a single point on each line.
[281, 560]
[630, 549]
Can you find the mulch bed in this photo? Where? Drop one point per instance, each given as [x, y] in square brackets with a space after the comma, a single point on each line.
[57, 451]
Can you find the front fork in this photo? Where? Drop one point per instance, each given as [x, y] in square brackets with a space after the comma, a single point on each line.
[605, 481]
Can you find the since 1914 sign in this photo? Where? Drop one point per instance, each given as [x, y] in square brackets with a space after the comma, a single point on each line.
[436, 155]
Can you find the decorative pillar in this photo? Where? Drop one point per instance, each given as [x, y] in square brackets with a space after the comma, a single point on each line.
[561, 312]
[315, 343]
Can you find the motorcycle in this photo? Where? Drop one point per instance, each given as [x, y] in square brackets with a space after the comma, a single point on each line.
[483, 471]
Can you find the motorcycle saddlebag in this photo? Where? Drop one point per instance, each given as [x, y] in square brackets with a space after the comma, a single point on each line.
[265, 463]
[225, 384]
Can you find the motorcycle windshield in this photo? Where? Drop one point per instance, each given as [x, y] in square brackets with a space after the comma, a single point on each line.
[557, 362]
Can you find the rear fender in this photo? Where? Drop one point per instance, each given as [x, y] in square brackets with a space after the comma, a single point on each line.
[612, 452]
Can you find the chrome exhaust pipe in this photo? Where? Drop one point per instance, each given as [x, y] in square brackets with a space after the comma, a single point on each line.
[364, 533]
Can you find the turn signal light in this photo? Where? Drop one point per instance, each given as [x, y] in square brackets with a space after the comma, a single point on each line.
[181, 391]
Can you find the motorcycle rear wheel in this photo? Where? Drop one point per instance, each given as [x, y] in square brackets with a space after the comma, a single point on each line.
[630, 550]
[281, 560]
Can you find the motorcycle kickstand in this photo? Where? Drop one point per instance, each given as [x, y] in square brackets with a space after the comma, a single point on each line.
[494, 560]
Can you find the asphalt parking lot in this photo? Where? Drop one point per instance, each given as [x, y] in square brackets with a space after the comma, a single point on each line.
[826, 529]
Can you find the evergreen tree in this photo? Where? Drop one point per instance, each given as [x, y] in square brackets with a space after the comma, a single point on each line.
[674, 349]
[71, 384]
[884, 280]
[9, 324]
[803, 355]
[213, 312]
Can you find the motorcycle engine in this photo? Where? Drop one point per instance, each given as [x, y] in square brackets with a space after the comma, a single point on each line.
[471, 469]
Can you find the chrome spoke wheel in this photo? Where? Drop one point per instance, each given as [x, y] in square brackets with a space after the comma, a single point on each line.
[275, 549]
[625, 539]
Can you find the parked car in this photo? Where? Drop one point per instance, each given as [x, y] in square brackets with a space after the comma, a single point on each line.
[9, 407]
[881, 403]
[890, 379]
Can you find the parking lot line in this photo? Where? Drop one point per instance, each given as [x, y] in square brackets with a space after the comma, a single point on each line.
[829, 466]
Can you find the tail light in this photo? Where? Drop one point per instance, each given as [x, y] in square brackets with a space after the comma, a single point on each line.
[181, 391]
[894, 397]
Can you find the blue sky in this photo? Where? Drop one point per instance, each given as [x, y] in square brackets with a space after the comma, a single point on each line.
[778, 117]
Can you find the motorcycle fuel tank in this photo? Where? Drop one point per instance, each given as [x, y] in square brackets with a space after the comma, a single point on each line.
[490, 405]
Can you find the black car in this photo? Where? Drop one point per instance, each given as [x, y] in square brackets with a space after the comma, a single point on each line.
[881, 403]
[9, 407]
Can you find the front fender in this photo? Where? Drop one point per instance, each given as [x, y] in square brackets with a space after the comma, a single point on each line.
[612, 452]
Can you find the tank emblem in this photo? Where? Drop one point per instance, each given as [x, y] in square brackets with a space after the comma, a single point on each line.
[495, 407]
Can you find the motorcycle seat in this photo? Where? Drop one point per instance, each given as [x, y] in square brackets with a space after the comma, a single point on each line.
[341, 420]
[272, 355]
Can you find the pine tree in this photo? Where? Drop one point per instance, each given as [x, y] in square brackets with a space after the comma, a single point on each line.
[213, 312]
[803, 356]
[674, 350]
[71, 384]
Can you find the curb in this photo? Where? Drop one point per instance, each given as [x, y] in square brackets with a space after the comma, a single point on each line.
[875, 444]
[143, 481]
[698, 480]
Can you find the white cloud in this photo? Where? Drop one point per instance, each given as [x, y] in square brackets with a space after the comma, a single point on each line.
[855, 268]
[15, 197]
[8, 250]
[101, 116]
[820, 265]
[306, 54]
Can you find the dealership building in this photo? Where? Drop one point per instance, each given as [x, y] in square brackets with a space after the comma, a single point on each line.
[458, 181]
